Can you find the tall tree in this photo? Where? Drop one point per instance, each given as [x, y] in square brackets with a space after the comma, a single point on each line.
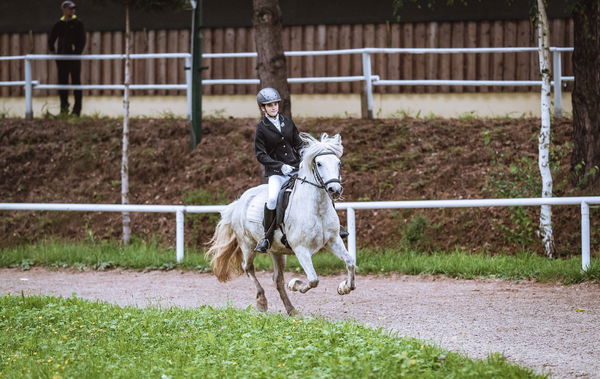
[585, 159]
[271, 62]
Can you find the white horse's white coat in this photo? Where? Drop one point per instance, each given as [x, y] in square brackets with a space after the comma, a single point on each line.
[311, 224]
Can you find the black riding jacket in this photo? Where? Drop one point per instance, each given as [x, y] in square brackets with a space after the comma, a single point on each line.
[273, 148]
[70, 35]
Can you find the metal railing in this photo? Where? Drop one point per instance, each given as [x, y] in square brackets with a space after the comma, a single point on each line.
[368, 78]
[349, 207]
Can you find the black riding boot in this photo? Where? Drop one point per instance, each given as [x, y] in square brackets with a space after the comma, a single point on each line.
[269, 225]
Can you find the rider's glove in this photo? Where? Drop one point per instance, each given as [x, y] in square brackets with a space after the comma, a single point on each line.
[286, 169]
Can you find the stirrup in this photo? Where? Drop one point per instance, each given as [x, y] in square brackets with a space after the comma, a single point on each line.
[262, 246]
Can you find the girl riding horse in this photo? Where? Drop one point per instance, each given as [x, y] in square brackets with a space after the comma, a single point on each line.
[277, 146]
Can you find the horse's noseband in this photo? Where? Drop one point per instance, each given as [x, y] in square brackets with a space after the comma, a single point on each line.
[321, 184]
[318, 176]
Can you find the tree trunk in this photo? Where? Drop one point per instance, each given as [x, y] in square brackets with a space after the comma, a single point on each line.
[271, 63]
[125, 144]
[543, 34]
[585, 159]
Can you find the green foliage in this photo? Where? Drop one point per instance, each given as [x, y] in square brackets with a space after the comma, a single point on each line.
[57, 337]
[404, 260]
[4, 112]
[414, 235]
[521, 180]
[95, 255]
[584, 178]
[460, 264]
[517, 179]
[468, 116]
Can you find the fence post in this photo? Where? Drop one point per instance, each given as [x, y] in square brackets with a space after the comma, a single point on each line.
[585, 236]
[557, 76]
[179, 235]
[367, 93]
[188, 82]
[351, 221]
[28, 90]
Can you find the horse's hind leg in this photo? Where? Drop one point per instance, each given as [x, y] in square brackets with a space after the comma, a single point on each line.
[278, 269]
[248, 266]
[305, 259]
[337, 247]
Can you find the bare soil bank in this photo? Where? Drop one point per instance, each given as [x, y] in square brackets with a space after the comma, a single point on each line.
[78, 161]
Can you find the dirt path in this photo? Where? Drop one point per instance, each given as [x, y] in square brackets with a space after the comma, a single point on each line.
[551, 328]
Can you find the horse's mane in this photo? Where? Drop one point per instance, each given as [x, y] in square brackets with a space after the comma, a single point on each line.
[313, 146]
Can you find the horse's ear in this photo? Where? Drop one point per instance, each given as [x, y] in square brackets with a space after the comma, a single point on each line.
[324, 137]
[338, 138]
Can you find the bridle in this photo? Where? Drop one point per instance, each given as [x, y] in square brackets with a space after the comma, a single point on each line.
[320, 183]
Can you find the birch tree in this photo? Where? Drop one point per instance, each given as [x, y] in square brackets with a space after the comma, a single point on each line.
[125, 141]
[543, 36]
[129, 5]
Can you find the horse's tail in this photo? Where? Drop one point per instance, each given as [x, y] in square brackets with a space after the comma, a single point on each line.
[224, 252]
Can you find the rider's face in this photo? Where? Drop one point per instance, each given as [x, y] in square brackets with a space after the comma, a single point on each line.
[68, 12]
[272, 109]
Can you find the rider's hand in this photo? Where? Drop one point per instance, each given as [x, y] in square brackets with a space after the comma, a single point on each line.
[286, 169]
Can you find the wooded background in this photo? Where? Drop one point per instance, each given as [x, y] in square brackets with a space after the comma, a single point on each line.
[489, 66]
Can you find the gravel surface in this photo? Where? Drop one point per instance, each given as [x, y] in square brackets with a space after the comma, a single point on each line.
[548, 327]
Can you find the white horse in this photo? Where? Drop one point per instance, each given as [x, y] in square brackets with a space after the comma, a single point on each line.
[310, 224]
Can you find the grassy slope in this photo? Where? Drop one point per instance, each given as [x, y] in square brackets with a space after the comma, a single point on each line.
[49, 337]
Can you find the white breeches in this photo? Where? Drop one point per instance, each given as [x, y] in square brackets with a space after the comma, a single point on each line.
[275, 183]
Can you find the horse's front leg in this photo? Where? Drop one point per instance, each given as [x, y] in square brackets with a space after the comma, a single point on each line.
[337, 247]
[305, 258]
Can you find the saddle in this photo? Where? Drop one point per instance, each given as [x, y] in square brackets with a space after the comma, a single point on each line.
[283, 199]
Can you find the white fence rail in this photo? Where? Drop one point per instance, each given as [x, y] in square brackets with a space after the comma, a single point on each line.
[368, 78]
[350, 207]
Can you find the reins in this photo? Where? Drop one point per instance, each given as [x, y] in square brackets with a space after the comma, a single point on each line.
[321, 184]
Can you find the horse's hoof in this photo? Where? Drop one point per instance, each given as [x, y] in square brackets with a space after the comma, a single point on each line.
[261, 304]
[294, 284]
[343, 288]
[293, 312]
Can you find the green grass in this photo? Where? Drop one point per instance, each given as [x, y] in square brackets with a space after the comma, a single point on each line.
[458, 264]
[98, 256]
[55, 337]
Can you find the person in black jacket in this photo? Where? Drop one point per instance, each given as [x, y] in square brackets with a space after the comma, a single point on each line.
[70, 33]
[277, 146]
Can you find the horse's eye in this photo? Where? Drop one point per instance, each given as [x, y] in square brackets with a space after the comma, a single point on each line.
[318, 164]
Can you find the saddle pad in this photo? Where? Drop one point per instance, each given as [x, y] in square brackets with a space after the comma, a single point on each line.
[256, 209]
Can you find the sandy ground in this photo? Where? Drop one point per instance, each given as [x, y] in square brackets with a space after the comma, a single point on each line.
[551, 328]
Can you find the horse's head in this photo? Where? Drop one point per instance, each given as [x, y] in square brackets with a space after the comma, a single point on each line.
[322, 158]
